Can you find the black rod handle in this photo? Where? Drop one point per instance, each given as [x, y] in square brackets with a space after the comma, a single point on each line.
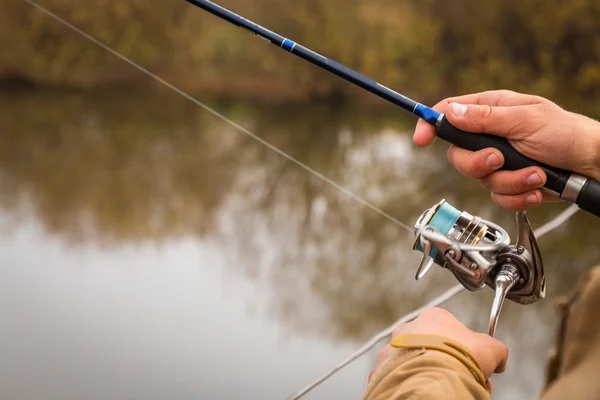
[513, 160]
[588, 197]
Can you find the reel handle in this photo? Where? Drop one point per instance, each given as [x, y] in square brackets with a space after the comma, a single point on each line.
[504, 281]
[583, 191]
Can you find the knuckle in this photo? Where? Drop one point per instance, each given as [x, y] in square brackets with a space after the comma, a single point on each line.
[484, 111]
[442, 105]
[437, 313]
[427, 313]
[431, 311]
[472, 167]
[504, 94]
[514, 186]
[476, 166]
[521, 121]
[541, 100]
[515, 203]
[444, 313]
[537, 114]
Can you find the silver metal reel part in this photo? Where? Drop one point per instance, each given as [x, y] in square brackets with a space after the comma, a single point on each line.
[478, 253]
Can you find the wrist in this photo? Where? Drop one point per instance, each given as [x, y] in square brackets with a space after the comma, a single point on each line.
[406, 369]
[596, 158]
[589, 131]
[444, 345]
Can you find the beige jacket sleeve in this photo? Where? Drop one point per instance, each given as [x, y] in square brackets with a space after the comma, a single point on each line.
[424, 374]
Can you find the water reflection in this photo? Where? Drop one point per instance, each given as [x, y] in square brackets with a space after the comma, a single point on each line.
[120, 168]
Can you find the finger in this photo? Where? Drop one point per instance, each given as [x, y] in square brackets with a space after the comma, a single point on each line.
[498, 98]
[514, 182]
[425, 133]
[503, 359]
[500, 355]
[489, 385]
[500, 121]
[476, 164]
[518, 202]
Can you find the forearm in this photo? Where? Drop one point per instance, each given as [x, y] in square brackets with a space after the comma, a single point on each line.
[588, 156]
[424, 374]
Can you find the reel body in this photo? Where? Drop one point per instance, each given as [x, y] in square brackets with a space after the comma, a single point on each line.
[479, 253]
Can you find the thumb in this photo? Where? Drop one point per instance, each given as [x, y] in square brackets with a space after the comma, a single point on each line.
[482, 118]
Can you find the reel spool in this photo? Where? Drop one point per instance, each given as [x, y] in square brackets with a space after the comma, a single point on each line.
[479, 253]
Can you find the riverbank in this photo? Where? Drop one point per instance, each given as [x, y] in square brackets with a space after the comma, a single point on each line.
[426, 50]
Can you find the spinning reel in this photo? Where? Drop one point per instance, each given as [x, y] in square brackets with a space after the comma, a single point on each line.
[479, 253]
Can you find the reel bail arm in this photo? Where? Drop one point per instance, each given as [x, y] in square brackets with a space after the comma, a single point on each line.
[479, 253]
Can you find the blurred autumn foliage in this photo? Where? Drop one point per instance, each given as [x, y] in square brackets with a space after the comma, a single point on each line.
[428, 49]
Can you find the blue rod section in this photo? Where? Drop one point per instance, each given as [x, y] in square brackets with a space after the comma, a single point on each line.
[427, 113]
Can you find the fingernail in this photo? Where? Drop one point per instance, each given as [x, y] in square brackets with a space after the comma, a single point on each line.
[458, 109]
[493, 160]
[534, 179]
[532, 199]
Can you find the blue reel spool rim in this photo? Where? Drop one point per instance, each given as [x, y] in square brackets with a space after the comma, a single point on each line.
[443, 219]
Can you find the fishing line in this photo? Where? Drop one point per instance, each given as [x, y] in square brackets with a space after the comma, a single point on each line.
[549, 226]
[221, 116]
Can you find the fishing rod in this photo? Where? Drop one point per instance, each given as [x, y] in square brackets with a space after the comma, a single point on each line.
[566, 185]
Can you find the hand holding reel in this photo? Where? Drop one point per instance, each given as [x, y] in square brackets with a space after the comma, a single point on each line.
[479, 253]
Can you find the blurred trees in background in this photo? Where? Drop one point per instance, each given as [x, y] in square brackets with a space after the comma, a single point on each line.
[428, 49]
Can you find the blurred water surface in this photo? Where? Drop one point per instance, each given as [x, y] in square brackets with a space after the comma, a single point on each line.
[149, 250]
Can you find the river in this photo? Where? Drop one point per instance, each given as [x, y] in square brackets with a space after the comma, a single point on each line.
[150, 250]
